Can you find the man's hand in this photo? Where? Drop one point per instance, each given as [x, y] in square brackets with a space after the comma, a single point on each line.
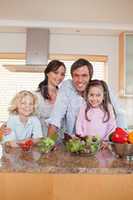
[52, 130]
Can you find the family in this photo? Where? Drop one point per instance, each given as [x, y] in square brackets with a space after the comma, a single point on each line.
[78, 106]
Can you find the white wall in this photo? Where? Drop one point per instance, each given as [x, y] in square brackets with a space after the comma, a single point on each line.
[12, 42]
[78, 44]
[71, 44]
[91, 45]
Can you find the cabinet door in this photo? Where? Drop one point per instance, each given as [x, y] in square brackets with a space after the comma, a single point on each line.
[126, 64]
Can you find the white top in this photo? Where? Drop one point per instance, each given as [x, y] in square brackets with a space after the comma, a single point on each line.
[32, 129]
[43, 112]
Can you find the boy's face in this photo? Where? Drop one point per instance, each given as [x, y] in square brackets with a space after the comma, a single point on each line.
[81, 77]
[26, 106]
[95, 96]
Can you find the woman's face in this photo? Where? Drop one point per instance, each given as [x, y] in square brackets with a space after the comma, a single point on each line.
[55, 78]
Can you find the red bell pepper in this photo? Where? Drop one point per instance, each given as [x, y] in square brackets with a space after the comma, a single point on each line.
[119, 136]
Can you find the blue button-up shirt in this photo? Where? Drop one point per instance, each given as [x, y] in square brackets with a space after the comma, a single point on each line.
[67, 107]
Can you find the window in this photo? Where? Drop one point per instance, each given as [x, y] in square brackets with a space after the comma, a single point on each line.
[12, 82]
[99, 70]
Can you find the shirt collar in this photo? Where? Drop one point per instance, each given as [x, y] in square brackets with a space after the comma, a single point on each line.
[20, 123]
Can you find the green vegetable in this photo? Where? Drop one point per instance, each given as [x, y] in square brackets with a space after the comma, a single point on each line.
[75, 145]
[92, 140]
[94, 147]
[93, 143]
[89, 144]
[46, 144]
[54, 136]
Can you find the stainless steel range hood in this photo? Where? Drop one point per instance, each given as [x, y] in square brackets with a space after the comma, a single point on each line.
[37, 49]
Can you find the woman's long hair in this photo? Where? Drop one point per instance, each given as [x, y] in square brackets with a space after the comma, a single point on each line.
[106, 98]
[52, 66]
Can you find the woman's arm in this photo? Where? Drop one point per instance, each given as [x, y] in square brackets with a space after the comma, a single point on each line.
[37, 129]
[59, 110]
[6, 130]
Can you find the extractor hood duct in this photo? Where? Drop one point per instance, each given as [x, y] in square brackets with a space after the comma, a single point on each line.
[37, 49]
[37, 46]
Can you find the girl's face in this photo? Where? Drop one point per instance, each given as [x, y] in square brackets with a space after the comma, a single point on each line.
[55, 78]
[26, 106]
[95, 96]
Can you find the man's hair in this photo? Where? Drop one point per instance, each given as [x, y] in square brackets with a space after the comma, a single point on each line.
[80, 63]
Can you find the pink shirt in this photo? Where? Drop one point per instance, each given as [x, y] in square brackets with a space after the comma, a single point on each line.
[95, 126]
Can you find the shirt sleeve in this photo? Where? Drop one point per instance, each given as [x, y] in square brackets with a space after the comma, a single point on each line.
[11, 135]
[37, 130]
[120, 114]
[80, 122]
[60, 108]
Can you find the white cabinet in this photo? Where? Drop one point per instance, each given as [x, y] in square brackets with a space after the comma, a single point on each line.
[126, 64]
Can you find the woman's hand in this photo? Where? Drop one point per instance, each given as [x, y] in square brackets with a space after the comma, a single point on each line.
[5, 129]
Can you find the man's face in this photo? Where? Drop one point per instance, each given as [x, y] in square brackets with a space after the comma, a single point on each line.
[81, 77]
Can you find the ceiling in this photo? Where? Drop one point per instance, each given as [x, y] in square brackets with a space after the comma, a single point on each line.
[108, 11]
[68, 17]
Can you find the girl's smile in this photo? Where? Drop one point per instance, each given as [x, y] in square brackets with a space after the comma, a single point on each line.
[95, 96]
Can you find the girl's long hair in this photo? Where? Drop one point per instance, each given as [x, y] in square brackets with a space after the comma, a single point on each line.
[52, 66]
[106, 98]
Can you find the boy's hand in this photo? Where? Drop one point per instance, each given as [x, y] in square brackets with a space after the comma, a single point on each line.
[26, 145]
[11, 144]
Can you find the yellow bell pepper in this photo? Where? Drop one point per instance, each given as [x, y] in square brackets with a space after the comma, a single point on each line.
[130, 137]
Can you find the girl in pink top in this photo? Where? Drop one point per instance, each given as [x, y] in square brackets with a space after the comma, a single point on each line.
[97, 116]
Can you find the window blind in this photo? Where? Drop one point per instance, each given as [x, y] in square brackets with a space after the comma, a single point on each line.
[13, 82]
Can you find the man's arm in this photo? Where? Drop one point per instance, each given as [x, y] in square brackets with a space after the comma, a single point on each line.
[120, 114]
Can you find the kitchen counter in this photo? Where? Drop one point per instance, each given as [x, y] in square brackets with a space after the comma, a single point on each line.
[60, 161]
[62, 176]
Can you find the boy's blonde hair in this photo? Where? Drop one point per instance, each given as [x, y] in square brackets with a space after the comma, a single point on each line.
[13, 109]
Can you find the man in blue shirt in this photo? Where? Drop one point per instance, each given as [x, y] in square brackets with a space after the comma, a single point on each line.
[70, 98]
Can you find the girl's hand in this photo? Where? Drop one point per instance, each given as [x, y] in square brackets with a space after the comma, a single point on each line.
[75, 136]
[104, 145]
